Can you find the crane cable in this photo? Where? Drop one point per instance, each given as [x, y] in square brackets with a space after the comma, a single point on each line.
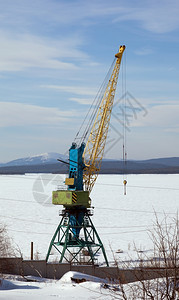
[95, 106]
[124, 113]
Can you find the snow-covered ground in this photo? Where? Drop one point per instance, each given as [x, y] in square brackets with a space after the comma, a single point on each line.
[120, 219]
[13, 288]
[75, 285]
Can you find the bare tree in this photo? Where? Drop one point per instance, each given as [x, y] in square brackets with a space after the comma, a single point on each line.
[6, 249]
[165, 237]
[155, 277]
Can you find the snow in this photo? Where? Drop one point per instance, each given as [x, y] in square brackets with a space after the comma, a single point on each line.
[17, 287]
[66, 278]
[49, 157]
[120, 220]
[13, 288]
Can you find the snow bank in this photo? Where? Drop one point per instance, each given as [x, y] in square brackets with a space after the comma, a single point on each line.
[78, 277]
[7, 285]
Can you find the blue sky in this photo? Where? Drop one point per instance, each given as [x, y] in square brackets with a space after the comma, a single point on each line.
[54, 56]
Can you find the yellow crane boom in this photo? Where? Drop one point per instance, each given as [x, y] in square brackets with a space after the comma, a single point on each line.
[95, 145]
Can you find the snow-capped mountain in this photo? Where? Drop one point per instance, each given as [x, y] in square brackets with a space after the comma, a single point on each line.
[45, 158]
[47, 163]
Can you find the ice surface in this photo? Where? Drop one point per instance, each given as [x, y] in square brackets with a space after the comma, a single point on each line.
[120, 220]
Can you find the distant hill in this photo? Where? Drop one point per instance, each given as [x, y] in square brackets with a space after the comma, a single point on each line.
[47, 163]
[167, 161]
[45, 158]
[140, 167]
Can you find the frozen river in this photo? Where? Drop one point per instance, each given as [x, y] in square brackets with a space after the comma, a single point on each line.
[120, 219]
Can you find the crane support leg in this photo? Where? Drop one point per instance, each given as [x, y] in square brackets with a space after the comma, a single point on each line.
[69, 245]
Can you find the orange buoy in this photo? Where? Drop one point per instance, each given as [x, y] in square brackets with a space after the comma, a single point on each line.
[125, 182]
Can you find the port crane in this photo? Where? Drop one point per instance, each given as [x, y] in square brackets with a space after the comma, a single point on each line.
[84, 167]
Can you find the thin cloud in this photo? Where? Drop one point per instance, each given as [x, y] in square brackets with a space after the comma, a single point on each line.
[58, 12]
[19, 114]
[159, 116]
[154, 16]
[77, 90]
[82, 100]
[31, 51]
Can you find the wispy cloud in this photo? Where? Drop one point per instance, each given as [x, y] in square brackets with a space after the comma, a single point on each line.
[155, 16]
[84, 101]
[77, 90]
[58, 12]
[19, 114]
[159, 116]
[22, 44]
[19, 52]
